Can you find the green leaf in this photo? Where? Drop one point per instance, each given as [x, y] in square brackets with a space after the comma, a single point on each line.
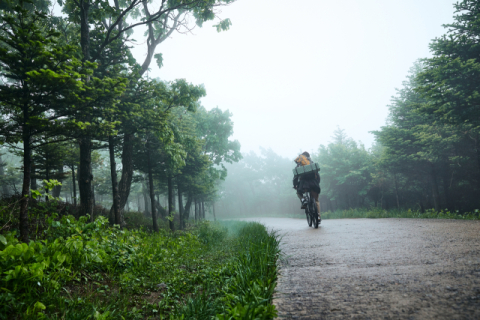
[39, 305]
[3, 240]
[159, 58]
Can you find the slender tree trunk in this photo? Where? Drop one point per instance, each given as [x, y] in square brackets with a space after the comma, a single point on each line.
[180, 206]
[85, 176]
[196, 210]
[127, 170]
[74, 183]
[145, 201]
[85, 169]
[171, 209]
[213, 210]
[477, 151]
[113, 174]
[203, 210]
[47, 173]
[24, 228]
[435, 192]
[93, 203]
[187, 209]
[2, 174]
[138, 203]
[396, 190]
[152, 194]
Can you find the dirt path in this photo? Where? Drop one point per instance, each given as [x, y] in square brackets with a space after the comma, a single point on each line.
[379, 269]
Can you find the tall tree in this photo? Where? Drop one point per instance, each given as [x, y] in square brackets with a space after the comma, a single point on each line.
[451, 79]
[42, 78]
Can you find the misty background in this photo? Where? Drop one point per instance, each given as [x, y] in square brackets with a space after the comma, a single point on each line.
[319, 77]
[291, 74]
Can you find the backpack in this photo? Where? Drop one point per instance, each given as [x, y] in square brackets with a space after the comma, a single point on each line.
[306, 168]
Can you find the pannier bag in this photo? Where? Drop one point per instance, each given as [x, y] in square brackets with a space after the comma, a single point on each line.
[312, 167]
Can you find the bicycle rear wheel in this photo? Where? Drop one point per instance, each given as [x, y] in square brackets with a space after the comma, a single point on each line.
[314, 212]
[307, 210]
[309, 218]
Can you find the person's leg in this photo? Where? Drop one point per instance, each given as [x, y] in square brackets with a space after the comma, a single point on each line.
[314, 195]
[300, 196]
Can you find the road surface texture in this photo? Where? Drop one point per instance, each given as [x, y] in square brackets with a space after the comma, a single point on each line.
[378, 269]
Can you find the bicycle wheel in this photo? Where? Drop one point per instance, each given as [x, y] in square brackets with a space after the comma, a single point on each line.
[307, 211]
[309, 218]
[314, 211]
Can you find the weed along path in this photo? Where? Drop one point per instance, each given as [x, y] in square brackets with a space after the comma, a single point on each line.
[379, 269]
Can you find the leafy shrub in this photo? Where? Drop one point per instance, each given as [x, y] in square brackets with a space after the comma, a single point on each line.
[83, 269]
[211, 233]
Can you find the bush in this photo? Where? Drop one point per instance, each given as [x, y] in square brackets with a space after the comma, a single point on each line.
[83, 269]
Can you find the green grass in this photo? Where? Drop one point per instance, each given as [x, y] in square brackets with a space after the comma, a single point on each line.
[380, 213]
[395, 213]
[81, 270]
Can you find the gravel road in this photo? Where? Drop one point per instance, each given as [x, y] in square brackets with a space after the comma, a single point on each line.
[378, 269]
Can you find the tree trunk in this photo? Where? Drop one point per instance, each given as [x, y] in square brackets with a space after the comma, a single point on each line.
[145, 201]
[186, 210]
[396, 190]
[161, 210]
[152, 194]
[85, 169]
[213, 210]
[196, 210]
[477, 151]
[435, 192]
[113, 174]
[138, 203]
[180, 207]
[85, 29]
[74, 184]
[24, 228]
[171, 209]
[85, 176]
[203, 210]
[47, 174]
[2, 175]
[93, 203]
[127, 170]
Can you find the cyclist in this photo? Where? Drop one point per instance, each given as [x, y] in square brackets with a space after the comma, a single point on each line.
[309, 182]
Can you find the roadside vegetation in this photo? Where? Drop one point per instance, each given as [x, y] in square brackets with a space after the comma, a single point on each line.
[394, 213]
[76, 269]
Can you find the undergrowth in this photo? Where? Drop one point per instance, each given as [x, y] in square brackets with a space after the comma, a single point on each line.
[77, 269]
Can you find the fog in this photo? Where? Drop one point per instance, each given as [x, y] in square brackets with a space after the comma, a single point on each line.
[291, 74]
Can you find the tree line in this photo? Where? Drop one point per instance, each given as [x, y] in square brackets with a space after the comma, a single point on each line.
[427, 156]
[70, 88]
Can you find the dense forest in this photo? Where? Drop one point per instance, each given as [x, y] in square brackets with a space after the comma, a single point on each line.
[427, 156]
[75, 104]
